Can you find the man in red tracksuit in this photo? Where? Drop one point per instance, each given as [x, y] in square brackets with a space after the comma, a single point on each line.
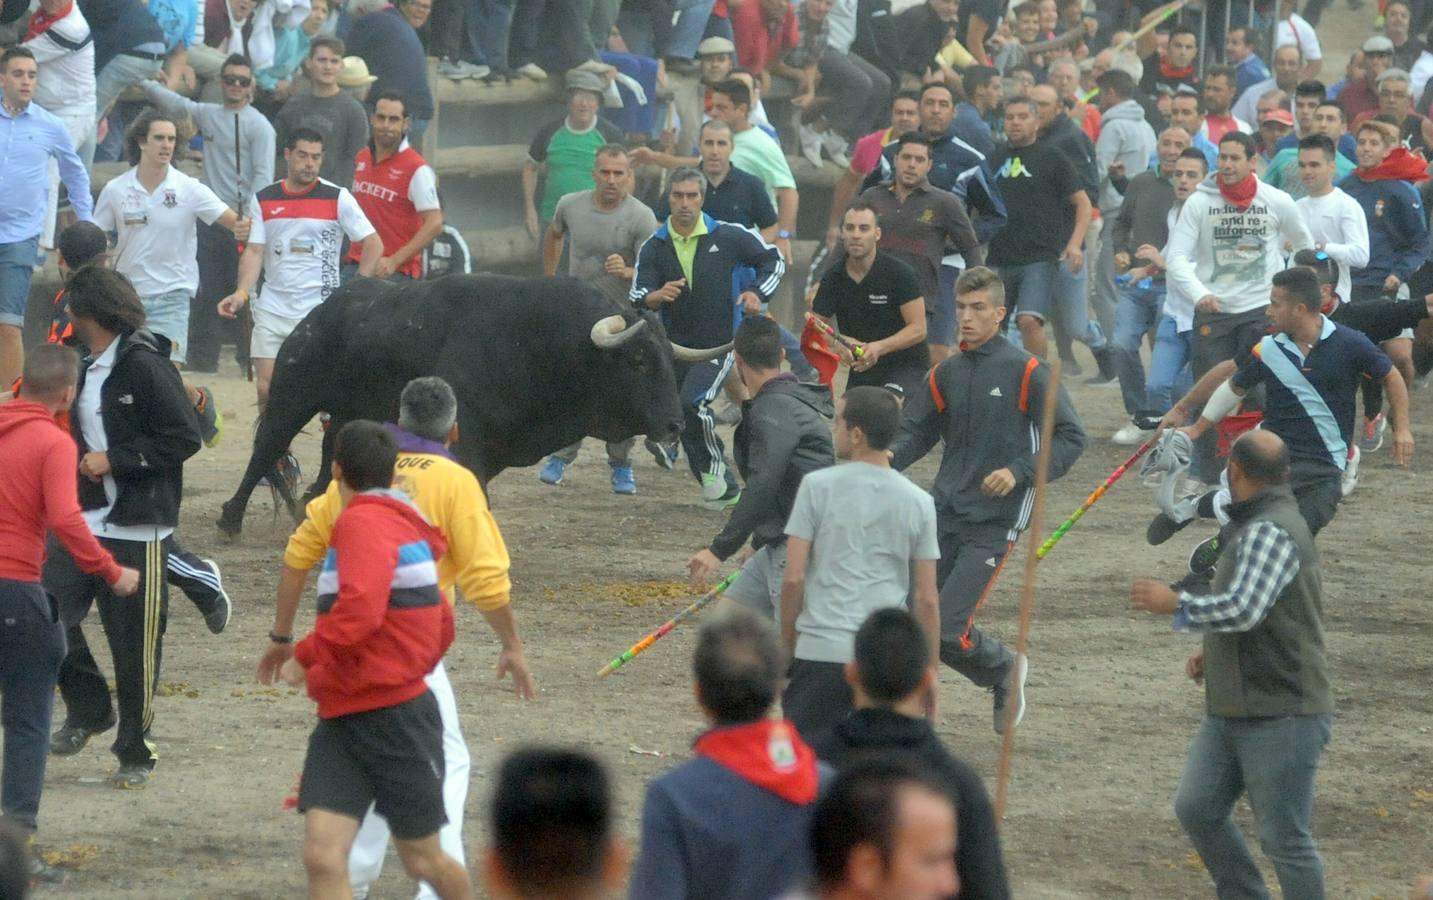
[382, 626]
[38, 493]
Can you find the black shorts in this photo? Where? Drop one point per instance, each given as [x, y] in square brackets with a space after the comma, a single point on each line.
[390, 757]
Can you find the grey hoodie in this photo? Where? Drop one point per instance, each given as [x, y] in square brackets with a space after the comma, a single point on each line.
[1125, 137]
[973, 401]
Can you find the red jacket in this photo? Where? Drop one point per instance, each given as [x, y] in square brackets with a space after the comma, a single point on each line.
[382, 622]
[38, 493]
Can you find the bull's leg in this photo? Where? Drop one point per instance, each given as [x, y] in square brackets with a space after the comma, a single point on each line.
[276, 431]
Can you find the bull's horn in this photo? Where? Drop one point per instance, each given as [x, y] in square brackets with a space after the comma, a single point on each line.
[688, 354]
[612, 332]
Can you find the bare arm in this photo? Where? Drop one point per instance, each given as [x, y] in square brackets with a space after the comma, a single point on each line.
[432, 224]
[286, 606]
[841, 197]
[530, 171]
[369, 256]
[1199, 394]
[551, 249]
[912, 332]
[513, 658]
[975, 34]
[251, 263]
[926, 604]
[787, 203]
[1397, 392]
[793, 586]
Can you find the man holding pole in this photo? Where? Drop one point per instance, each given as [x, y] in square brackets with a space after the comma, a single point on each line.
[238, 160]
[985, 403]
[1268, 707]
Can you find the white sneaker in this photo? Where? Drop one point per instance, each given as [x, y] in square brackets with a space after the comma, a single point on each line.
[810, 145]
[1132, 435]
[532, 71]
[1349, 481]
[837, 150]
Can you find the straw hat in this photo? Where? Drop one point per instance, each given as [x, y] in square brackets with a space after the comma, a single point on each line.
[355, 73]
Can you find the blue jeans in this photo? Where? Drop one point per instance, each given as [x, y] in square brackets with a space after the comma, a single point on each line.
[1139, 308]
[17, 269]
[689, 29]
[32, 643]
[168, 314]
[1040, 289]
[489, 22]
[1274, 760]
[1169, 375]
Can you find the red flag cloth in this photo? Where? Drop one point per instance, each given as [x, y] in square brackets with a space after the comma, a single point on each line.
[819, 353]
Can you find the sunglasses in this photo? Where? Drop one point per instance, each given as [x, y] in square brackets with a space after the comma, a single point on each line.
[238, 80]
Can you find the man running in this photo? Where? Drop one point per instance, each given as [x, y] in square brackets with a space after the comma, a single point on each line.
[398, 192]
[876, 300]
[155, 208]
[985, 403]
[783, 436]
[603, 230]
[298, 228]
[476, 560]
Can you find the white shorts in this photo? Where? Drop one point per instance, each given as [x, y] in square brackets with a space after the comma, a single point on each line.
[758, 587]
[270, 330]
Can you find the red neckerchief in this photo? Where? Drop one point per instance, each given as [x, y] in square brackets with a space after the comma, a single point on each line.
[1168, 71]
[768, 754]
[41, 21]
[1239, 195]
[1398, 165]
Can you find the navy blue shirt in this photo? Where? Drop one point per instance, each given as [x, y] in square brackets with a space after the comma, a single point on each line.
[390, 47]
[117, 26]
[740, 199]
[1310, 401]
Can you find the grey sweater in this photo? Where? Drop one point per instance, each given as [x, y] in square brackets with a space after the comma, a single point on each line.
[1143, 218]
[221, 172]
[342, 122]
[986, 408]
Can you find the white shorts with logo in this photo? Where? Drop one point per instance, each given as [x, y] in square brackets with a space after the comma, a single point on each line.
[270, 330]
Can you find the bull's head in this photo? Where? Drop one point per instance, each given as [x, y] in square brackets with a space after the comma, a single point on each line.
[639, 388]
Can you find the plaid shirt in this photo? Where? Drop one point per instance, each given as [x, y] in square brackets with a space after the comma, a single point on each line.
[1266, 562]
[813, 41]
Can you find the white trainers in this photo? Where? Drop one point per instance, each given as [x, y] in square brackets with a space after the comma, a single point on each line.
[532, 71]
[1132, 435]
[1011, 694]
[810, 144]
[1349, 481]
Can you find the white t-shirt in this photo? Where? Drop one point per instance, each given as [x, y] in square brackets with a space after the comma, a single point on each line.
[157, 240]
[1337, 221]
[87, 408]
[302, 235]
[1295, 31]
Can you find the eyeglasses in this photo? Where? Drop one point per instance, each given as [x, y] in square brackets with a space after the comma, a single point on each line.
[238, 80]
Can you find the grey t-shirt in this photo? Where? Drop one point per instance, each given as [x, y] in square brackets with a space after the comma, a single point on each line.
[594, 234]
[866, 525]
[340, 119]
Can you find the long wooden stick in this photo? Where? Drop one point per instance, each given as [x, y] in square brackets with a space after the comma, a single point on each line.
[1027, 598]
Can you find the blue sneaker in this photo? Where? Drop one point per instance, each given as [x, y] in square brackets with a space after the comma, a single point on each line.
[622, 480]
[552, 471]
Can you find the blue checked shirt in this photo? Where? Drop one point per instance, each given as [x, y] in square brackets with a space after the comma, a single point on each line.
[1266, 562]
[27, 144]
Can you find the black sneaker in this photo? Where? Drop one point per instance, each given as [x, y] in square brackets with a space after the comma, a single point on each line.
[1204, 556]
[1011, 692]
[1105, 359]
[1162, 528]
[217, 619]
[71, 739]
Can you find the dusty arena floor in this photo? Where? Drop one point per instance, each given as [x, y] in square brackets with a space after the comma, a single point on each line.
[1097, 759]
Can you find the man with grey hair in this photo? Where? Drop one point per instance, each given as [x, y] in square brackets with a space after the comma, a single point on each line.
[685, 271]
[476, 562]
[1288, 62]
[1395, 100]
[733, 822]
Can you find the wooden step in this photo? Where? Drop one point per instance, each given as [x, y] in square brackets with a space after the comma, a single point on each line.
[480, 162]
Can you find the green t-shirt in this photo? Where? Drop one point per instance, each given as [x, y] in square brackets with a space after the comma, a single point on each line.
[754, 151]
[570, 156]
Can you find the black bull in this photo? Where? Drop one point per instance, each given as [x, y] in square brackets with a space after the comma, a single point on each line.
[536, 363]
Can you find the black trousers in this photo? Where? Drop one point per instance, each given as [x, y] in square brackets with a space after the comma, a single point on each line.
[1381, 318]
[817, 696]
[1218, 337]
[218, 258]
[134, 627]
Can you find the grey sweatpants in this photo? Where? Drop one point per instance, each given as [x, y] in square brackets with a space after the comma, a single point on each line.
[971, 557]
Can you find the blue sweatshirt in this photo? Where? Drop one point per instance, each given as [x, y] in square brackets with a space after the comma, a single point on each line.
[1397, 231]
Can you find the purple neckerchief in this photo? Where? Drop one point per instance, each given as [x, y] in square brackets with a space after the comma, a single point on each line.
[411, 443]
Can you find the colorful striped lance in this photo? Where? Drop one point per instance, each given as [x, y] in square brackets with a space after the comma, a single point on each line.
[856, 350]
[1094, 498]
[652, 638]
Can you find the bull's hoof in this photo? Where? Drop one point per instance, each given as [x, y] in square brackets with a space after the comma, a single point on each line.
[231, 521]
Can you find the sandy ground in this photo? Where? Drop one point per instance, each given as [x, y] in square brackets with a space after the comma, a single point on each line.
[1097, 759]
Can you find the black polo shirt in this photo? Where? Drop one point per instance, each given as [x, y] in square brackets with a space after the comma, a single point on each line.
[871, 310]
[740, 199]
